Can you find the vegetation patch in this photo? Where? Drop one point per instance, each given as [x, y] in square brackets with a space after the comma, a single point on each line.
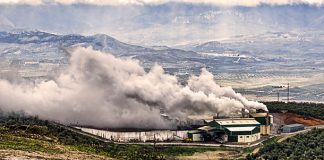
[303, 146]
[315, 110]
[21, 132]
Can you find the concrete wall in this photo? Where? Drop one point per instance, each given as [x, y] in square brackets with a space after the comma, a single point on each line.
[197, 137]
[248, 138]
[139, 136]
[287, 129]
[265, 130]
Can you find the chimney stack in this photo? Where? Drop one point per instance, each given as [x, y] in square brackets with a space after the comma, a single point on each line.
[244, 114]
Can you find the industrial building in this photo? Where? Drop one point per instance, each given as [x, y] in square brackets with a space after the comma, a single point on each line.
[228, 130]
[241, 130]
[292, 128]
[265, 120]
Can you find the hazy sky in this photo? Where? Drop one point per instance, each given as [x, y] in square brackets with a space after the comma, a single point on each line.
[158, 22]
[141, 2]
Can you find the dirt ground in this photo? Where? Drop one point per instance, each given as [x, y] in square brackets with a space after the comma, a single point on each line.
[23, 155]
[291, 118]
[210, 155]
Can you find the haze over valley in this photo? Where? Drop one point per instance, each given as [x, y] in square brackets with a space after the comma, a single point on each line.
[250, 64]
[161, 79]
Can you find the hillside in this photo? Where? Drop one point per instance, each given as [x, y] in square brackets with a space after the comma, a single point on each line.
[303, 146]
[29, 137]
[315, 110]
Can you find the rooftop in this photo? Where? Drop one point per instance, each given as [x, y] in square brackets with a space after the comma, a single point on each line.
[193, 131]
[236, 129]
[293, 125]
[206, 128]
[208, 120]
[259, 114]
[236, 121]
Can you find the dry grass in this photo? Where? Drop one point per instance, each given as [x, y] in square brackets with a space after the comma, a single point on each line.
[68, 155]
[210, 155]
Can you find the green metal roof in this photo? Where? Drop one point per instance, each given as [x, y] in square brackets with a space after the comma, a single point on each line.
[242, 130]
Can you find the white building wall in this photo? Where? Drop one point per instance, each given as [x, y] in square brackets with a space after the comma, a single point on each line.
[240, 138]
[197, 138]
[141, 136]
[265, 130]
[255, 137]
[248, 138]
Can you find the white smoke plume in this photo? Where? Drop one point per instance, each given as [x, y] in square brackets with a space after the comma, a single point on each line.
[101, 90]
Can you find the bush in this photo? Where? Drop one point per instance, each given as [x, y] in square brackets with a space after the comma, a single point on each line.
[315, 110]
[302, 146]
[35, 129]
[89, 144]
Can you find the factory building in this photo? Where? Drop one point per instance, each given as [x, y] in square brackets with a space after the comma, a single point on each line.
[292, 128]
[265, 120]
[242, 130]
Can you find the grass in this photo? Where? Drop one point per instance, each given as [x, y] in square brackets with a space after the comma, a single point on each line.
[26, 144]
[271, 141]
[88, 149]
[188, 151]
[34, 135]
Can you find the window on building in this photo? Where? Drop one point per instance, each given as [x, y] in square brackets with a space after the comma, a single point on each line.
[247, 136]
[241, 136]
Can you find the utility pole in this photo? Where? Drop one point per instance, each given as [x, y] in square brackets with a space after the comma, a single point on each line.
[154, 145]
[288, 93]
[277, 88]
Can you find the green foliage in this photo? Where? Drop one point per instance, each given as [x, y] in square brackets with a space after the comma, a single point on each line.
[32, 132]
[302, 147]
[27, 144]
[270, 141]
[40, 130]
[315, 110]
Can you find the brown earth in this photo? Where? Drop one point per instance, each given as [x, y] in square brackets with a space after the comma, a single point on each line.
[291, 118]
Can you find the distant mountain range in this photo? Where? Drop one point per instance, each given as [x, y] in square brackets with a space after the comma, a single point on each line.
[269, 45]
[24, 44]
[164, 24]
[269, 55]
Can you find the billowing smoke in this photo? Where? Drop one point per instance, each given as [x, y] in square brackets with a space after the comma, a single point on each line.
[101, 90]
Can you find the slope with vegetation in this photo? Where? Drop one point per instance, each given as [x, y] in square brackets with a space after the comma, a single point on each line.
[315, 110]
[301, 146]
[32, 135]
[304, 146]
